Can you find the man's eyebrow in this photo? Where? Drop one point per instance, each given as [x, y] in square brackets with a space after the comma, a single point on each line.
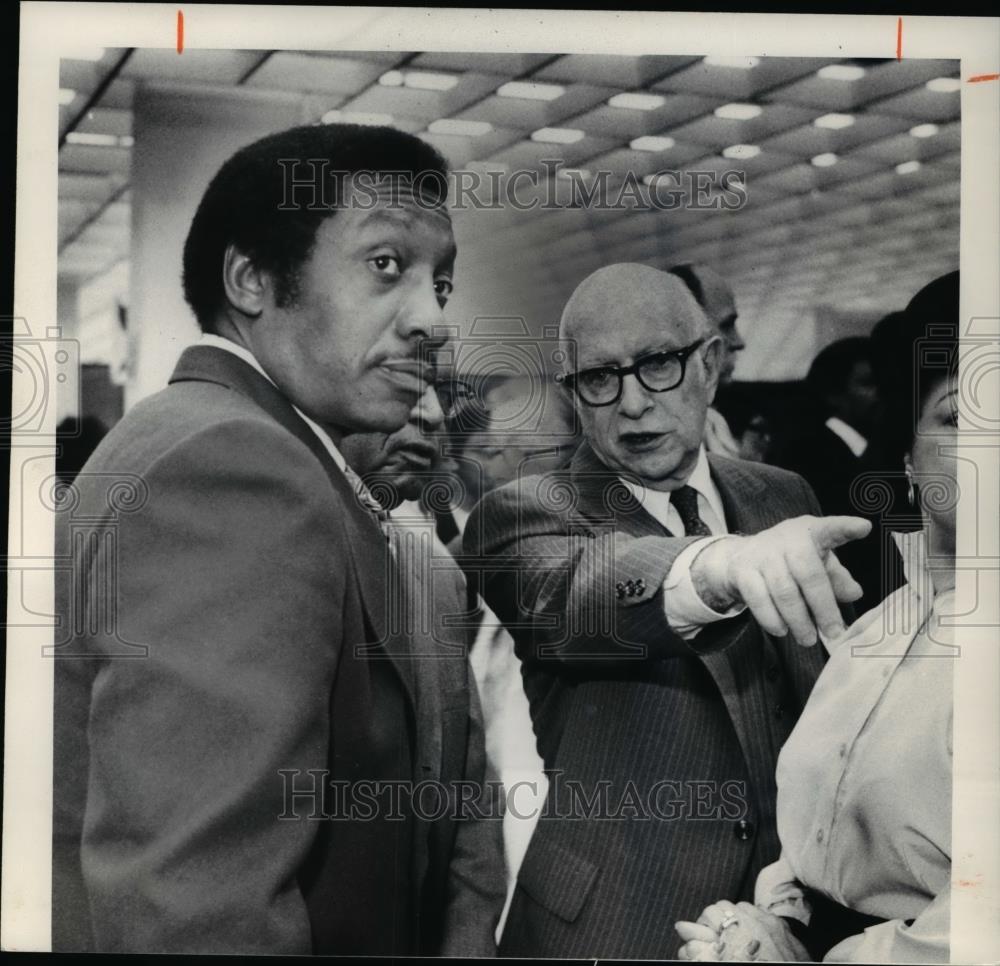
[946, 394]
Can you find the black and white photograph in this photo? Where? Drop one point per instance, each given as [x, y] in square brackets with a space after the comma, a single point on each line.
[504, 483]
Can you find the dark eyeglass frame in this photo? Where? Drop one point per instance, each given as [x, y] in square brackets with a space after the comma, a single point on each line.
[569, 381]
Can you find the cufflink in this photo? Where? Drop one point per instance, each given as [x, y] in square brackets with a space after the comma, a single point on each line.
[620, 590]
[640, 587]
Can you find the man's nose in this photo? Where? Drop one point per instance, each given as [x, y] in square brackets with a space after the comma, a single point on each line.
[736, 343]
[635, 399]
[429, 415]
[422, 317]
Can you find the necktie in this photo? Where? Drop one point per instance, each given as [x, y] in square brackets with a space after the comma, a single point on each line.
[368, 501]
[686, 501]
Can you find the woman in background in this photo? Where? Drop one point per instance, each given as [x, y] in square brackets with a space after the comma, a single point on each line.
[864, 780]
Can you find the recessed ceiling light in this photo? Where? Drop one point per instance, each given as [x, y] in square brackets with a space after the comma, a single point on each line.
[738, 63]
[649, 142]
[451, 125]
[944, 85]
[356, 117]
[825, 160]
[557, 135]
[834, 122]
[92, 140]
[66, 95]
[739, 112]
[531, 91]
[637, 101]
[741, 152]
[650, 179]
[422, 80]
[924, 130]
[84, 53]
[841, 72]
[907, 167]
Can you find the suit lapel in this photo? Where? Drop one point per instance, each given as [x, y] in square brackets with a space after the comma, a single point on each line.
[602, 497]
[373, 565]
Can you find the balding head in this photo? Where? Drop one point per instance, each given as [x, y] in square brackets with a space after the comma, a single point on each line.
[622, 313]
[713, 294]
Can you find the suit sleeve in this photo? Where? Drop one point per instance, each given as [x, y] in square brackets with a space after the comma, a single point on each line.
[477, 884]
[555, 584]
[232, 578]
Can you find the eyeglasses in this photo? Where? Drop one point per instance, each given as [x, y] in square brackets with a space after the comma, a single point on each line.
[454, 396]
[656, 371]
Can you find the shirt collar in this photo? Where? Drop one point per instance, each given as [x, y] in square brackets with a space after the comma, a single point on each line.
[700, 481]
[227, 345]
[854, 441]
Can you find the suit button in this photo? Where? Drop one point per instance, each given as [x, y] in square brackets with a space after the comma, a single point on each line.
[779, 711]
[819, 836]
[743, 830]
[773, 673]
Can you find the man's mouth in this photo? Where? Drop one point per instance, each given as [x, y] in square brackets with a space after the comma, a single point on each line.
[410, 374]
[419, 456]
[641, 442]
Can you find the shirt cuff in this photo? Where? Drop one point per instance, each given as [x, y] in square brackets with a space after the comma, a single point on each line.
[686, 612]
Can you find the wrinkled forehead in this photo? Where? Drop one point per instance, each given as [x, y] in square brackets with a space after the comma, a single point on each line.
[401, 195]
[617, 332]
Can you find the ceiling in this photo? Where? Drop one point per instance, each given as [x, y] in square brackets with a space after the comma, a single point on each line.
[840, 221]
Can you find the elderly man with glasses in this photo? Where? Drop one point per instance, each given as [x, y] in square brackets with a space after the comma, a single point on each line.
[662, 602]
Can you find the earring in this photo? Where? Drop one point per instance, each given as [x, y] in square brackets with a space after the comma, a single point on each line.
[910, 488]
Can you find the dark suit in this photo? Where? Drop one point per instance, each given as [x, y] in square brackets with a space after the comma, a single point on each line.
[246, 645]
[838, 478]
[574, 566]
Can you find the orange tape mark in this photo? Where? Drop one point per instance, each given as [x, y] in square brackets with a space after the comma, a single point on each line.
[180, 31]
[983, 77]
[899, 39]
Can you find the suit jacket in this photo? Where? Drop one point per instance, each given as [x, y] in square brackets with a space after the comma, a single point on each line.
[227, 680]
[661, 751]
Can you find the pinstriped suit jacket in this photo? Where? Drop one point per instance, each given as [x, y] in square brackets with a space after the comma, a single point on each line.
[661, 751]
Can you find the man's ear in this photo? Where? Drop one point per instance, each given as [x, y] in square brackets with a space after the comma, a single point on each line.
[244, 283]
[713, 365]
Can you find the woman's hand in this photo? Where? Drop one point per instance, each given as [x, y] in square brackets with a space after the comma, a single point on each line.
[726, 932]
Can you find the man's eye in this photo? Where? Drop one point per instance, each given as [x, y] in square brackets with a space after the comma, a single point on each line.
[444, 286]
[387, 265]
[596, 378]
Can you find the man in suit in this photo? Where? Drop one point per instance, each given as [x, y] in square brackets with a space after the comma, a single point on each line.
[712, 292]
[229, 688]
[662, 653]
[833, 457]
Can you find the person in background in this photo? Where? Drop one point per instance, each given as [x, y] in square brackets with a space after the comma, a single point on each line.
[835, 456]
[713, 294]
[397, 469]
[865, 779]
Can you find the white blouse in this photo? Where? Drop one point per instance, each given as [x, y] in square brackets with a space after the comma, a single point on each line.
[864, 780]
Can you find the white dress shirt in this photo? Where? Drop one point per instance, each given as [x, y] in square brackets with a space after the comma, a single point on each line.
[686, 612]
[854, 441]
[865, 779]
